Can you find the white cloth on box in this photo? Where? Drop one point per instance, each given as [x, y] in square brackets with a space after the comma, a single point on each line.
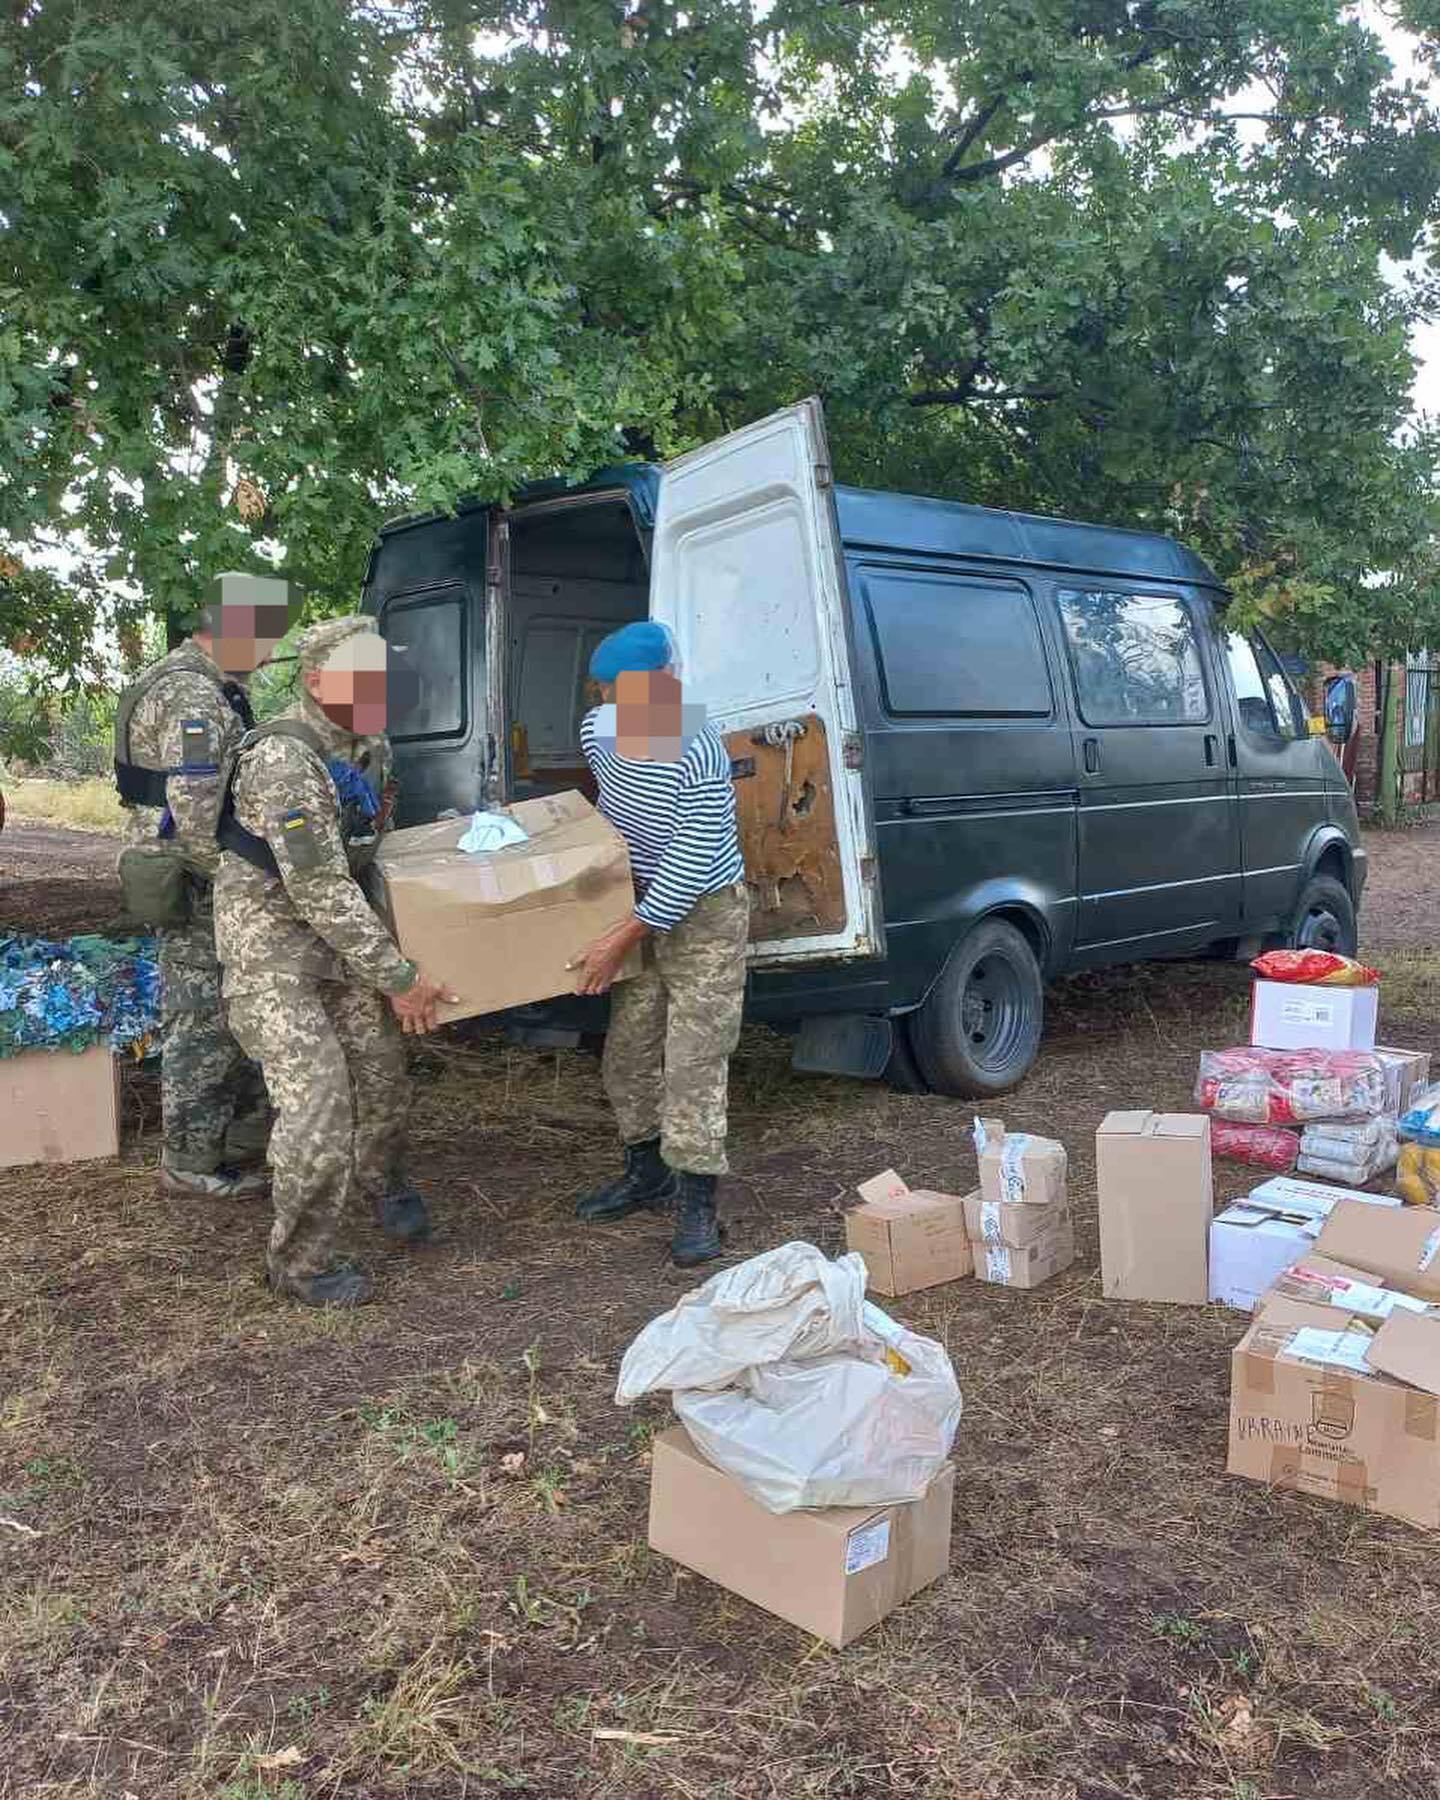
[779, 1370]
[491, 831]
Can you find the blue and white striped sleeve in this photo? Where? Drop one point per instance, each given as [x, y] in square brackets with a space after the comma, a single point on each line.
[705, 838]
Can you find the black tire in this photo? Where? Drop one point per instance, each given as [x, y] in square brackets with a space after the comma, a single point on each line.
[1324, 918]
[902, 1072]
[979, 1030]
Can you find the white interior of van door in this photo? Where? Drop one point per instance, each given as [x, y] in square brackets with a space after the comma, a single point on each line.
[746, 572]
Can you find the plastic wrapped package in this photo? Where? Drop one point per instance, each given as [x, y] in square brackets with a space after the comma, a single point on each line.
[1253, 1086]
[1314, 968]
[1421, 1119]
[1264, 1146]
[1352, 1153]
[797, 1387]
[1417, 1178]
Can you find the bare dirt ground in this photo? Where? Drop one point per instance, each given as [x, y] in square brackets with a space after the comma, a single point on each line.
[55, 882]
[249, 1553]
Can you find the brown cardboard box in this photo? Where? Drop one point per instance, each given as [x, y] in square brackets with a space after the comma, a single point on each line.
[1338, 1413]
[996, 1222]
[1020, 1168]
[1401, 1244]
[834, 1571]
[57, 1107]
[1156, 1201]
[499, 929]
[1028, 1267]
[910, 1238]
[1405, 1072]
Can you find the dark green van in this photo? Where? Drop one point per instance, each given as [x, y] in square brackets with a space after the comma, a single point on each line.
[972, 749]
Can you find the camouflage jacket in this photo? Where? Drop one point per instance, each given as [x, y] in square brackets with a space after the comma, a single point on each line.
[183, 721]
[315, 920]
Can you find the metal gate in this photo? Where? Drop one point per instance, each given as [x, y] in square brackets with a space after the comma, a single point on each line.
[1420, 731]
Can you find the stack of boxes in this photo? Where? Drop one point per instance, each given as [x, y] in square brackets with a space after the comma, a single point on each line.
[1018, 1221]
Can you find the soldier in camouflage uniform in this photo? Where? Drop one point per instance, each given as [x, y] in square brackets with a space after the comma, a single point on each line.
[174, 728]
[664, 782]
[313, 980]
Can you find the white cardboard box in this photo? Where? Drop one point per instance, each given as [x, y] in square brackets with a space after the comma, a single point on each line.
[1253, 1242]
[1291, 1015]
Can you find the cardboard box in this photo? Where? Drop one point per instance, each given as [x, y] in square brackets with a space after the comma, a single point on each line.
[1292, 1015]
[1030, 1266]
[59, 1107]
[500, 929]
[1156, 1198]
[1019, 1168]
[1401, 1244]
[833, 1571]
[1255, 1241]
[997, 1222]
[1406, 1072]
[910, 1238]
[1341, 1414]
[1315, 1199]
[1318, 1281]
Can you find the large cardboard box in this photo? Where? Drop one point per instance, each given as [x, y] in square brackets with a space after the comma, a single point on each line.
[1019, 1168]
[1292, 1015]
[997, 1222]
[910, 1238]
[1406, 1071]
[1342, 1414]
[833, 1571]
[1156, 1197]
[501, 929]
[1006, 1266]
[1401, 1245]
[59, 1107]
[1254, 1241]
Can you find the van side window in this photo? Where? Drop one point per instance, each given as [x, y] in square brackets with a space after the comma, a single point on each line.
[1136, 657]
[1266, 701]
[952, 647]
[426, 634]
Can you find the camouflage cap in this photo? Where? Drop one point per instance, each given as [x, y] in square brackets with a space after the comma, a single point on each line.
[316, 643]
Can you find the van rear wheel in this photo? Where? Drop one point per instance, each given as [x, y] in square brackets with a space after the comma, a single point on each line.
[979, 1029]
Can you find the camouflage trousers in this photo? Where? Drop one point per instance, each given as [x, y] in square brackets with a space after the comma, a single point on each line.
[334, 1061]
[672, 1031]
[212, 1099]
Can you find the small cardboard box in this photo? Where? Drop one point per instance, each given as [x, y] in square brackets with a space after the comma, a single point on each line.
[1018, 1168]
[910, 1238]
[59, 1107]
[1156, 1198]
[1254, 1241]
[834, 1571]
[1341, 1414]
[1401, 1244]
[1030, 1266]
[500, 929]
[997, 1222]
[1406, 1071]
[1292, 1015]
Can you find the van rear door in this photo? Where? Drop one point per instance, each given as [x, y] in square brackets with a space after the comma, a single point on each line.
[746, 572]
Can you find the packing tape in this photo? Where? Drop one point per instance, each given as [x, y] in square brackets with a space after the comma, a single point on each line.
[990, 1227]
[1350, 1477]
[1012, 1171]
[1428, 1251]
[1421, 1411]
[1259, 1372]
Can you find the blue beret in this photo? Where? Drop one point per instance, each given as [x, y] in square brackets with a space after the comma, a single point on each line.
[632, 650]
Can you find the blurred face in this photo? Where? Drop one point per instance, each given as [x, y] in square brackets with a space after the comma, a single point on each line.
[352, 687]
[243, 637]
[649, 716]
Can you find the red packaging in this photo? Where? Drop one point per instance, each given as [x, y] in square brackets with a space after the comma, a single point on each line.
[1266, 1146]
[1290, 1087]
[1315, 968]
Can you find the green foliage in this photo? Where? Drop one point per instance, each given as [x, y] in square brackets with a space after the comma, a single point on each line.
[337, 260]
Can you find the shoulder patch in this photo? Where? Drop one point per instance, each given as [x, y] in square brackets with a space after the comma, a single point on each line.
[197, 747]
[300, 845]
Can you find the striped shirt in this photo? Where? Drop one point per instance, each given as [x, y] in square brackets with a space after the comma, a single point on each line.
[677, 820]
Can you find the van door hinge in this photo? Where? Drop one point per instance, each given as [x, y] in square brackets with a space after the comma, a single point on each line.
[823, 476]
[852, 750]
[867, 870]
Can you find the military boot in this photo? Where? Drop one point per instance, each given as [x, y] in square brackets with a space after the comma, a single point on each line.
[648, 1182]
[221, 1184]
[697, 1232]
[342, 1286]
[405, 1217]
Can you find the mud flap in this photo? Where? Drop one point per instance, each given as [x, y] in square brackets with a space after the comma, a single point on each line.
[857, 1044]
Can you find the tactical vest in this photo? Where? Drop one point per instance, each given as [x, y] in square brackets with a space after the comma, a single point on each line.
[137, 784]
[358, 835]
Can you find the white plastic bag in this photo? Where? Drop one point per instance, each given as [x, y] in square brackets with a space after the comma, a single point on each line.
[789, 1381]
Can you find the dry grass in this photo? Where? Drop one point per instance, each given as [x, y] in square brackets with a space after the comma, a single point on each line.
[89, 805]
[282, 1556]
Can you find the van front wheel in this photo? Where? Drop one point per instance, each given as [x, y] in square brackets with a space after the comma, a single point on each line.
[1324, 918]
[979, 1029]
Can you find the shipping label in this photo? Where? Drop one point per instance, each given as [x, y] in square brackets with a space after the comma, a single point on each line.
[867, 1545]
[1337, 1349]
